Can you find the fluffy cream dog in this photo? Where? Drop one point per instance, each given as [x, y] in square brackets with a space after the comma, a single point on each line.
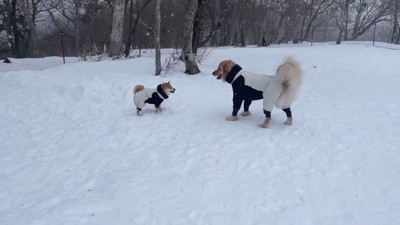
[279, 90]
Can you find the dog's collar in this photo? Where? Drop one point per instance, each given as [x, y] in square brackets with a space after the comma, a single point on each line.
[232, 75]
[161, 92]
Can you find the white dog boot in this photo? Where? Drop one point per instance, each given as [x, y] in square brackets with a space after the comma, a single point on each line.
[289, 121]
[158, 109]
[231, 118]
[266, 123]
[245, 113]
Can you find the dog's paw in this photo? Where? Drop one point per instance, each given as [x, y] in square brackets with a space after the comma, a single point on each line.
[232, 118]
[266, 123]
[138, 112]
[158, 110]
[245, 113]
[289, 121]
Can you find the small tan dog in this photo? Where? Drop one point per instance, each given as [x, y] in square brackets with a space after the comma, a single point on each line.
[279, 90]
[156, 96]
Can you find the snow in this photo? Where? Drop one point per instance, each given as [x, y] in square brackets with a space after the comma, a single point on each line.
[74, 152]
[34, 64]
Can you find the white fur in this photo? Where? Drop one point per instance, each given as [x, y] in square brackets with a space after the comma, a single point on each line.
[291, 76]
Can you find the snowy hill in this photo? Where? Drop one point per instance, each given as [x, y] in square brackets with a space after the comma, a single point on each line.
[74, 152]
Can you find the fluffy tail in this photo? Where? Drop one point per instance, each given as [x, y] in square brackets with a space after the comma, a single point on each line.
[138, 88]
[291, 76]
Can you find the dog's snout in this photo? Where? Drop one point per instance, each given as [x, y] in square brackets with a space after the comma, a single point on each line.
[173, 90]
[215, 72]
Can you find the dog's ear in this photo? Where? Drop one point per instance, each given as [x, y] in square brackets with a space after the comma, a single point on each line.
[225, 67]
[168, 82]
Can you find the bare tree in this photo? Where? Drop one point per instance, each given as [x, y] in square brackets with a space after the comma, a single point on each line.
[341, 10]
[290, 15]
[117, 28]
[30, 11]
[255, 20]
[87, 23]
[14, 33]
[311, 11]
[242, 22]
[20, 18]
[198, 24]
[395, 37]
[133, 24]
[70, 12]
[346, 9]
[188, 56]
[209, 18]
[273, 19]
[157, 27]
[367, 13]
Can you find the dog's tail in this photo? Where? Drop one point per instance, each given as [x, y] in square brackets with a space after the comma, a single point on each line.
[138, 88]
[291, 76]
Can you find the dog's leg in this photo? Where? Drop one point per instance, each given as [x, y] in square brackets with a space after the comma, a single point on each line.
[289, 120]
[266, 123]
[267, 120]
[232, 118]
[138, 112]
[158, 109]
[246, 111]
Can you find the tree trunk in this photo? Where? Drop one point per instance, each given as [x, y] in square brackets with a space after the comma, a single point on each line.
[242, 23]
[30, 19]
[340, 37]
[130, 34]
[346, 23]
[77, 31]
[397, 41]
[16, 45]
[395, 30]
[117, 28]
[9, 18]
[133, 28]
[202, 33]
[188, 56]
[197, 29]
[290, 22]
[157, 27]
[217, 36]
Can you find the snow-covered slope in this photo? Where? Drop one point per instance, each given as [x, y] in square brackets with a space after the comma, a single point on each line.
[74, 152]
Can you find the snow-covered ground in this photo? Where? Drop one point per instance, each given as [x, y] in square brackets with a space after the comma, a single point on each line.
[72, 150]
[34, 64]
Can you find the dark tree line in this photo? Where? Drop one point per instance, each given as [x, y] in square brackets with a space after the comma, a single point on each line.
[31, 27]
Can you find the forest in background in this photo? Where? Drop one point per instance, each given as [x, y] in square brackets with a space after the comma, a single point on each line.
[32, 28]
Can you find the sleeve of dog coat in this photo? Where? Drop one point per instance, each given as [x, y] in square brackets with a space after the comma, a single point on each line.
[237, 103]
[247, 104]
[238, 97]
[157, 100]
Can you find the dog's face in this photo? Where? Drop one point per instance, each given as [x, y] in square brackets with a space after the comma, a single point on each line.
[223, 69]
[167, 88]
